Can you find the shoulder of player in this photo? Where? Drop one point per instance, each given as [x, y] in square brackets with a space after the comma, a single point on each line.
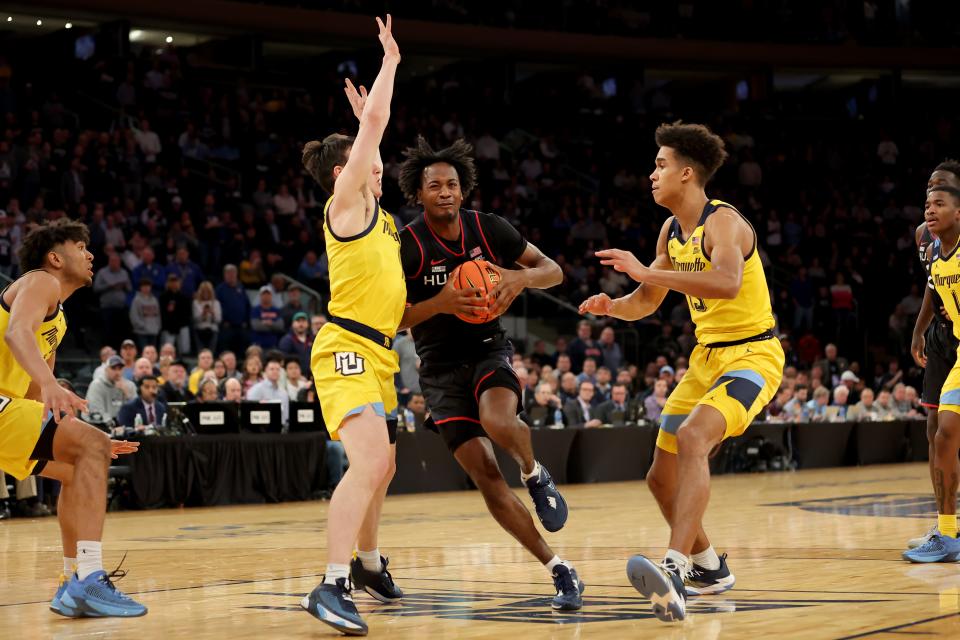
[725, 219]
[41, 283]
[485, 219]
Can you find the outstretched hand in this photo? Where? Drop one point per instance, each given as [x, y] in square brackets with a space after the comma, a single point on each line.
[357, 99]
[120, 447]
[390, 46]
[598, 305]
[622, 261]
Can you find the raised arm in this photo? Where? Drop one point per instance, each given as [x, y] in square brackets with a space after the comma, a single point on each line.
[645, 299]
[350, 192]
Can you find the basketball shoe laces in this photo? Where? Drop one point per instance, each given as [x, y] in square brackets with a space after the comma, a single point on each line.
[933, 545]
[119, 574]
[672, 567]
[389, 578]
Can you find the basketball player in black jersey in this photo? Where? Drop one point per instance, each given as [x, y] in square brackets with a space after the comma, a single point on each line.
[466, 375]
[933, 347]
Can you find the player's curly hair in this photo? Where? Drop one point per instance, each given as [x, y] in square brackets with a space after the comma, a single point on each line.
[421, 155]
[44, 239]
[321, 156]
[951, 165]
[696, 144]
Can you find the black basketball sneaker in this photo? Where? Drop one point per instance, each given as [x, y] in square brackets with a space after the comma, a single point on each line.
[332, 604]
[701, 581]
[379, 584]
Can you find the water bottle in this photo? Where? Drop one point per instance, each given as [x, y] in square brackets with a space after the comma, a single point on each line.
[138, 423]
[410, 420]
[558, 418]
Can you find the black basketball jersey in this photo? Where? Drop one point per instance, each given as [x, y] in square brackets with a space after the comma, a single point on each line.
[428, 260]
[927, 240]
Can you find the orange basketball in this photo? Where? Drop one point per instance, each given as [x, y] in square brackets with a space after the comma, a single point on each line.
[480, 275]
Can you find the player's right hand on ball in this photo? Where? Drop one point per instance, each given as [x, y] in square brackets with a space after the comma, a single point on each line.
[465, 301]
[60, 401]
[598, 305]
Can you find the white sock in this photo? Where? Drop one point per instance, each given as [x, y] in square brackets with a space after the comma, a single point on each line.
[89, 558]
[335, 571]
[554, 561]
[536, 471]
[69, 566]
[678, 559]
[370, 559]
[708, 559]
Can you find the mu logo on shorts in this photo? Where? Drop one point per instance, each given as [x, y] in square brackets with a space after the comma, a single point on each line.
[348, 363]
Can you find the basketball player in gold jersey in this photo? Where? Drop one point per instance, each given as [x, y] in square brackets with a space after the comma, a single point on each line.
[38, 431]
[707, 250]
[942, 215]
[352, 362]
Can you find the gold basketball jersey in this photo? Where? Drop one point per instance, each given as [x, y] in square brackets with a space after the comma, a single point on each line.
[945, 273]
[746, 315]
[366, 276]
[14, 380]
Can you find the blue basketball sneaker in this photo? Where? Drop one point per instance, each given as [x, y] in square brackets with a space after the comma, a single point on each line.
[56, 605]
[662, 584]
[939, 548]
[332, 604]
[569, 589]
[97, 597]
[550, 505]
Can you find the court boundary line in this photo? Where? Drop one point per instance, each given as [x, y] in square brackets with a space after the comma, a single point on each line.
[896, 628]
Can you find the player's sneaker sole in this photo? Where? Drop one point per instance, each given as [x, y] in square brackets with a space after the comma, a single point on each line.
[656, 585]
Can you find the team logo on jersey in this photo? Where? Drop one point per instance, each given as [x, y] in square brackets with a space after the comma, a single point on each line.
[348, 363]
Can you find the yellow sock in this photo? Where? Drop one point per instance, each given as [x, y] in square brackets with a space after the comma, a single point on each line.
[947, 524]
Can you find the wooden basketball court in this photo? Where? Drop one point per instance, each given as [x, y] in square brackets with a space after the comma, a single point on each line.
[816, 555]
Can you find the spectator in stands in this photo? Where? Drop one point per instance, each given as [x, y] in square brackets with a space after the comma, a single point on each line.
[232, 390]
[602, 385]
[145, 315]
[112, 284]
[148, 141]
[265, 322]
[295, 382]
[313, 269]
[298, 343]
[653, 404]
[176, 388]
[208, 391]
[175, 315]
[901, 406]
[617, 411]
[148, 269]
[105, 395]
[611, 357]
[816, 409]
[589, 371]
[147, 405]
[841, 395]
[141, 369]
[235, 307]
[187, 270]
[668, 375]
[128, 353]
[105, 353]
[229, 359]
[850, 380]
[911, 395]
[252, 274]
[568, 388]
[409, 362]
[583, 346]
[269, 390]
[540, 356]
[418, 406]
[579, 412]
[885, 405]
[252, 369]
[865, 410]
[207, 316]
[204, 364]
[565, 365]
[832, 365]
[541, 409]
[293, 305]
[795, 408]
